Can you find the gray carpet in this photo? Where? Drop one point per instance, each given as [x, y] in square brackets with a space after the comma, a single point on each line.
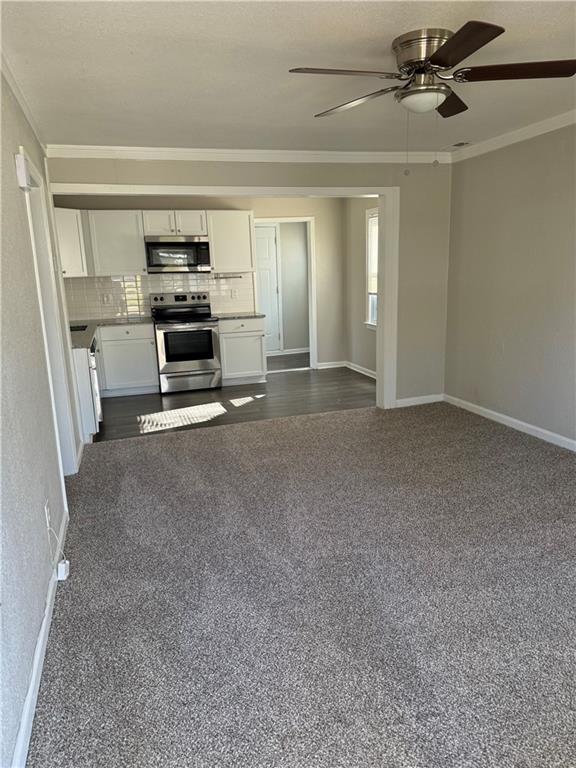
[342, 590]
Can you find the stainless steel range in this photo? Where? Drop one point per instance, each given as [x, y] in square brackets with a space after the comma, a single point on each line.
[187, 343]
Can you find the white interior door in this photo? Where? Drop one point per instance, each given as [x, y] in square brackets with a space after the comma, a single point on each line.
[268, 291]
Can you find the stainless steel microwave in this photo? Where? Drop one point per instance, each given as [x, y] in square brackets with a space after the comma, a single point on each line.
[178, 254]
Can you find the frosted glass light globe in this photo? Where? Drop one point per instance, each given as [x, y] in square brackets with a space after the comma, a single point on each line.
[425, 101]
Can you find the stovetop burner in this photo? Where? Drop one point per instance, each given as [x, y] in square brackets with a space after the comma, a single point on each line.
[181, 307]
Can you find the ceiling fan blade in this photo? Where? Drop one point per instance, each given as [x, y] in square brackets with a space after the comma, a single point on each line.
[452, 106]
[468, 39]
[353, 72]
[357, 102]
[521, 71]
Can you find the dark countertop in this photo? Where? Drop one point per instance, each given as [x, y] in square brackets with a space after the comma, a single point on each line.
[84, 339]
[238, 315]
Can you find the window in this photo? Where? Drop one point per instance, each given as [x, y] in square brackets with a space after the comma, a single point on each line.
[371, 266]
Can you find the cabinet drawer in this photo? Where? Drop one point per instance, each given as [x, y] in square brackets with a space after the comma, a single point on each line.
[119, 332]
[242, 325]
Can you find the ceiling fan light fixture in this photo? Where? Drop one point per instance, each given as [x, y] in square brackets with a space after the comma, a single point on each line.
[423, 100]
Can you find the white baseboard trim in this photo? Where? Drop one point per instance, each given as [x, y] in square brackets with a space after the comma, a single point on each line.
[341, 364]
[508, 421]
[288, 352]
[79, 455]
[27, 717]
[232, 382]
[20, 753]
[351, 366]
[149, 390]
[362, 370]
[406, 402]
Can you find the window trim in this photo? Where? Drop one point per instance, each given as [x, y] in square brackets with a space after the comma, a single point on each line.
[371, 213]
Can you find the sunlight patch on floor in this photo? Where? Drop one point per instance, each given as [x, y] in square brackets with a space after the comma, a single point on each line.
[180, 417]
[184, 417]
[238, 402]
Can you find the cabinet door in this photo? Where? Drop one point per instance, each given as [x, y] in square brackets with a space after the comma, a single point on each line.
[70, 242]
[130, 363]
[158, 222]
[191, 222]
[230, 235]
[242, 354]
[117, 242]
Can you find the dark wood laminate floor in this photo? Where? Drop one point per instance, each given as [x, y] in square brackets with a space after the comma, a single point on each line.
[283, 362]
[284, 394]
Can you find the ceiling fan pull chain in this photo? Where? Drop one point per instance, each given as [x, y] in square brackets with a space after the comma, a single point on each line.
[407, 169]
[436, 139]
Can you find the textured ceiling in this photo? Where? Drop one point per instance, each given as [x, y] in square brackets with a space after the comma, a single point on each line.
[215, 74]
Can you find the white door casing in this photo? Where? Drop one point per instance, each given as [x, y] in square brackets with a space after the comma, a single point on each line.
[47, 272]
[267, 284]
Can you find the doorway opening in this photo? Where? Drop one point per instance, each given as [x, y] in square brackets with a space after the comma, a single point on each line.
[285, 291]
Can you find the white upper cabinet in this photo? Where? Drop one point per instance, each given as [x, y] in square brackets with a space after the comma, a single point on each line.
[159, 222]
[231, 240]
[191, 222]
[166, 223]
[70, 242]
[117, 242]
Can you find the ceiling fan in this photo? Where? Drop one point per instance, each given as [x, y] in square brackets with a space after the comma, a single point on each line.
[424, 55]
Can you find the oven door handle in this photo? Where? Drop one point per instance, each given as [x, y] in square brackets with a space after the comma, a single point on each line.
[186, 327]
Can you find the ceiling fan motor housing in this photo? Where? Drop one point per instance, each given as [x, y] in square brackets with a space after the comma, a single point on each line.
[413, 49]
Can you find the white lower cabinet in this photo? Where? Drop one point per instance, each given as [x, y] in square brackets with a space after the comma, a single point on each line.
[88, 415]
[242, 351]
[127, 355]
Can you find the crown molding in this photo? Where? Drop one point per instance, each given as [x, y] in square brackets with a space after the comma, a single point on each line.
[85, 152]
[94, 152]
[513, 137]
[21, 99]
[75, 188]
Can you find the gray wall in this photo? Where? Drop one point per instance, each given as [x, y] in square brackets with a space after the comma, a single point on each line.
[424, 241]
[294, 271]
[361, 338]
[30, 473]
[511, 341]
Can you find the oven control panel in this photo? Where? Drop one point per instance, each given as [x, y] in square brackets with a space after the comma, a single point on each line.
[179, 299]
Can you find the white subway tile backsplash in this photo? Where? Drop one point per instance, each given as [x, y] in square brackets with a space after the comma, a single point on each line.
[127, 296]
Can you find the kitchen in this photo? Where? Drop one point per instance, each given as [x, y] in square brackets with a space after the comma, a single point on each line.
[159, 301]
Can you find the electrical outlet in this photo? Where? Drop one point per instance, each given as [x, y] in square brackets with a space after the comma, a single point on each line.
[106, 298]
[234, 293]
[63, 570]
